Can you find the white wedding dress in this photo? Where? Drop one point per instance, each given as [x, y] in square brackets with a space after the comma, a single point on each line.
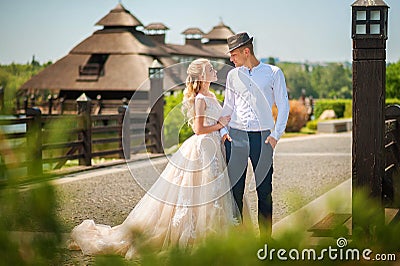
[189, 201]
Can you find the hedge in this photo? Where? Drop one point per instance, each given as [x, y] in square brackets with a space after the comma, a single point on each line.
[339, 106]
[392, 101]
[343, 107]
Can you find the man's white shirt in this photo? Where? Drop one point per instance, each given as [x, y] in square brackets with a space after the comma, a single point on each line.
[250, 95]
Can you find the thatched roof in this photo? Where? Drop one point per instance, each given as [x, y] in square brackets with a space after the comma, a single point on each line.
[219, 32]
[195, 51]
[118, 57]
[217, 38]
[119, 41]
[193, 31]
[121, 72]
[156, 26]
[119, 16]
[221, 48]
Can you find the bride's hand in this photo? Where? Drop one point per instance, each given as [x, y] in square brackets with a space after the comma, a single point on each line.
[224, 120]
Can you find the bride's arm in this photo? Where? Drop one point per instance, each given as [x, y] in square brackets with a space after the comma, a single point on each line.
[198, 126]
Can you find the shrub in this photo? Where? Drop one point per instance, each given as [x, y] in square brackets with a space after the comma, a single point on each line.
[336, 105]
[342, 107]
[312, 124]
[348, 109]
[391, 101]
[176, 129]
[297, 116]
[32, 209]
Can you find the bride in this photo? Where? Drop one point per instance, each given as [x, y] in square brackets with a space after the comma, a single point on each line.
[190, 200]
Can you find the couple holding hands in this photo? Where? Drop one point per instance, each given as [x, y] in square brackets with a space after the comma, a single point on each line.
[200, 192]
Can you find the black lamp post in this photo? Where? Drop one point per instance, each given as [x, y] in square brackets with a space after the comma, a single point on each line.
[156, 96]
[369, 34]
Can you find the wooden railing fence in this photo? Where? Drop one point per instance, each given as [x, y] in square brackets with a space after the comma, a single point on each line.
[391, 180]
[40, 142]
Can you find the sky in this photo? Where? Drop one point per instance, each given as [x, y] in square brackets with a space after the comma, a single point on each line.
[290, 30]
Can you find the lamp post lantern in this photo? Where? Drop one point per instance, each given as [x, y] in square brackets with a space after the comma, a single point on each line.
[369, 19]
[369, 34]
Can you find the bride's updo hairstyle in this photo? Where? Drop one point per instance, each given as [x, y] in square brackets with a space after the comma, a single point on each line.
[194, 82]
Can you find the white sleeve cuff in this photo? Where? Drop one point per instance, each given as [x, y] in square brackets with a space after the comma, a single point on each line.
[275, 135]
[223, 131]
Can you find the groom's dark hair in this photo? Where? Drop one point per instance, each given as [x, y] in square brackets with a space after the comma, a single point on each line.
[249, 46]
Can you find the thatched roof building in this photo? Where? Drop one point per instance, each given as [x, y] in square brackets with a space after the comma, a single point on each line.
[217, 37]
[114, 61]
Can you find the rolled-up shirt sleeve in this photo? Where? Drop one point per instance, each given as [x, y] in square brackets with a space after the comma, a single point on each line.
[282, 103]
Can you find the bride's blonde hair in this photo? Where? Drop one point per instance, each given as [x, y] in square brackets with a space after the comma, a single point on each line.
[194, 82]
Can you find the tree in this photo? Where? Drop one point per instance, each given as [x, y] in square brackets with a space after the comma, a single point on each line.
[4, 78]
[393, 80]
[176, 129]
[34, 62]
[271, 60]
[13, 76]
[297, 79]
[332, 81]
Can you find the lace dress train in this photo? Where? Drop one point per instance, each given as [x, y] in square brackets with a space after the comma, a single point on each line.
[189, 201]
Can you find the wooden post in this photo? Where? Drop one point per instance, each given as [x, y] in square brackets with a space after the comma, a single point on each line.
[369, 34]
[50, 102]
[1, 100]
[85, 123]
[17, 105]
[33, 100]
[157, 102]
[368, 119]
[25, 104]
[61, 103]
[34, 142]
[125, 143]
[99, 106]
[3, 172]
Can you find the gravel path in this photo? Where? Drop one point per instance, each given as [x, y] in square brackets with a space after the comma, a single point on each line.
[304, 168]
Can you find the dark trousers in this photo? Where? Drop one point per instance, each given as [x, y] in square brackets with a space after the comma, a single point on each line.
[251, 144]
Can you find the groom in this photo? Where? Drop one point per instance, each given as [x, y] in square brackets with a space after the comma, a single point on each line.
[251, 90]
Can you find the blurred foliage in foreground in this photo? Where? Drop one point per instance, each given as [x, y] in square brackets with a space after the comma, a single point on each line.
[20, 214]
[26, 209]
[30, 233]
[242, 247]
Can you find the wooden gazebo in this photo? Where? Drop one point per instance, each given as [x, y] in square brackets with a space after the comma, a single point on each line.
[114, 62]
[217, 38]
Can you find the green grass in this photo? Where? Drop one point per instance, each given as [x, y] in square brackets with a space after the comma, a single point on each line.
[303, 132]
